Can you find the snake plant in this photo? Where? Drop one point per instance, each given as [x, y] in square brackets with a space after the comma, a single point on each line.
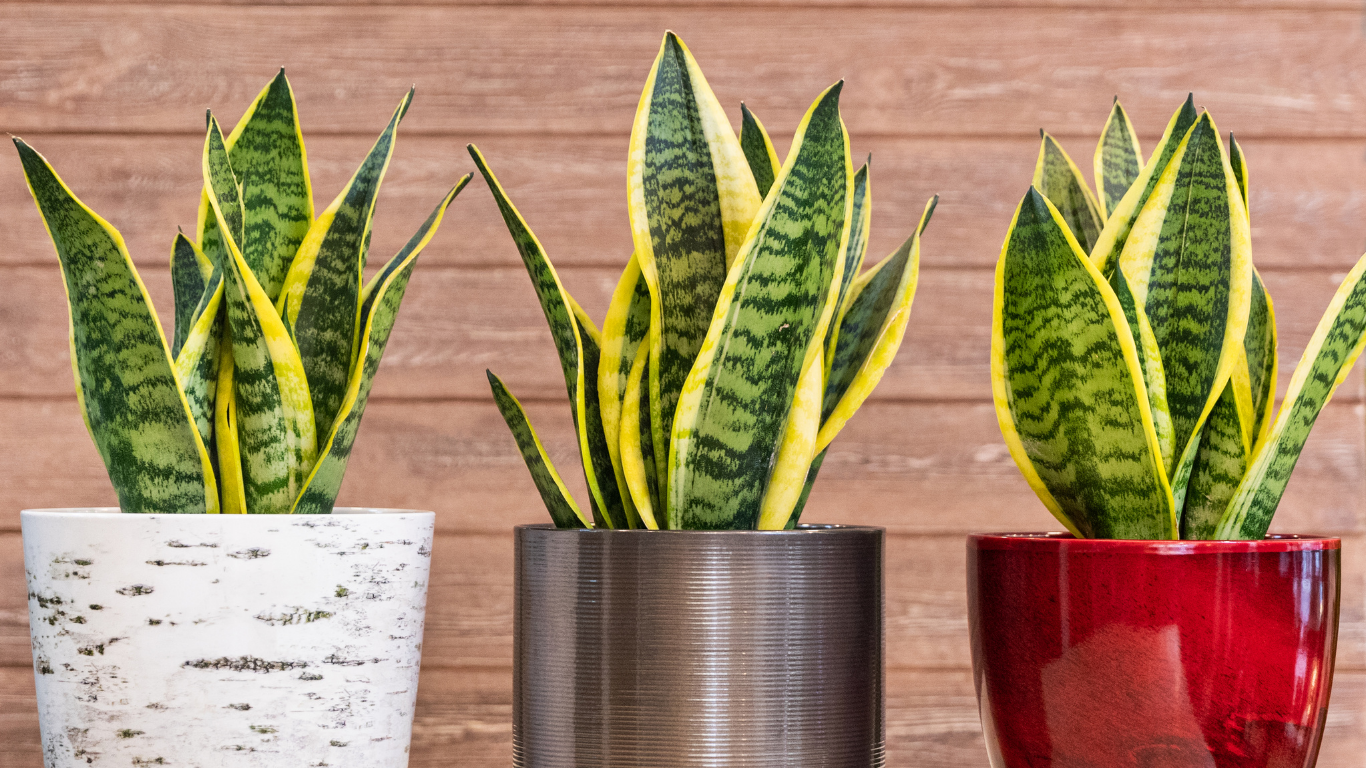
[741, 336]
[1133, 351]
[254, 402]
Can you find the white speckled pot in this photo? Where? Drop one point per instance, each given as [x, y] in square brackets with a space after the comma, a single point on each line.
[226, 640]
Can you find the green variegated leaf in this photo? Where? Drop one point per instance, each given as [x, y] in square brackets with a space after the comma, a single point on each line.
[1239, 164]
[759, 152]
[637, 445]
[1221, 460]
[1068, 389]
[1333, 350]
[196, 367]
[272, 409]
[854, 252]
[125, 379]
[575, 341]
[1118, 161]
[225, 431]
[796, 449]
[1150, 364]
[556, 497]
[1105, 253]
[770, 323]
[626, 326]
[1188, 262]
[692, 198]
[321, 294]
[190, 271]
[1260, 345]
[1059, 179]
[378, 310]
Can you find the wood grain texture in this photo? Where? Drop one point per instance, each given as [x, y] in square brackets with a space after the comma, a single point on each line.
[941, 71]
[572, 191]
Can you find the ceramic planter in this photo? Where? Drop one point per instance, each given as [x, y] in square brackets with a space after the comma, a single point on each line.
[698, 648]
[198, 640]
[1199, 654]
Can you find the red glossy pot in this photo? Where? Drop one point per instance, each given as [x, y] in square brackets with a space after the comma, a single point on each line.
[1152, 654]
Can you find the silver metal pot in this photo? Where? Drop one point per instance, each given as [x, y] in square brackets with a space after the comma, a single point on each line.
[698, 648]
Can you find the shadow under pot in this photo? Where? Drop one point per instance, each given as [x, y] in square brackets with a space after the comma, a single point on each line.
[1197, 654]
[226, 640]
[664, 649]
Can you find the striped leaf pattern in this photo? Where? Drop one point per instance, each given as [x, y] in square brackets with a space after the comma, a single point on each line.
[1118, 160]
[1220, 461]
[770, 323]
[578, 351]
[125, 379]
[1059, 180]
[691, 199]
[704, 396]
[380, 303]
[274, 413]
[1068, 388]
[221, 418]
[1259, 344]
[321, 295]
[759, 152]
[1119, 222]
[1188, 261]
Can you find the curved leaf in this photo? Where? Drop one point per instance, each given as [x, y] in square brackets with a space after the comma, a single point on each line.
[1060, 180]
[554, 494]
[1262, 358]
[125, 380]
[320, 298]
[759, 152]
[1066, 381]
[1118, 161]
[692, 198]
[854, 252]
[578, 350]
[1105, 253]
[1221, 459]
[795, 451]
[225, 433]
[626, 327]
[770, 323]
[271, 408]
[196, 368]
[190, 272]
[379, 310]
[1239, 164]
[1150, 365]
[1337, 343]
[637, 445]
[1188, 262]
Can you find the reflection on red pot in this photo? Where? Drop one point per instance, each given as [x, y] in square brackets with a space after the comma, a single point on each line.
[1148, 654]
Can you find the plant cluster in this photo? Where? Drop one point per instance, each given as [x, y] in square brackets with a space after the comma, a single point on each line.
[1133, 350]
[741, 336]
[254, 402]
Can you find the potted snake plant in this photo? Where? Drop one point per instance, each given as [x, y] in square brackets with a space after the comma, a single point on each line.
[1134, 372]
[682, 615]
[229, 608]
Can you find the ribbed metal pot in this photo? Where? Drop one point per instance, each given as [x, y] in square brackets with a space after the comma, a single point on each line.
[698, 648]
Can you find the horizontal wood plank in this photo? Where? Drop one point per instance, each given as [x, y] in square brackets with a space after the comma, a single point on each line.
[912, 467]
[1149, 5]
[456, 322]
[1307, 210]
[943, 72]
[932, 720]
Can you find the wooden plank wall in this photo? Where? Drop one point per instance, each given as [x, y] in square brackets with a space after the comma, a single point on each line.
[947, 94]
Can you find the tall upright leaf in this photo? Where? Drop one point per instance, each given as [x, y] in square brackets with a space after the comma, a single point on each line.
[759, 152]
[626, 327]
[1188, 261]
[273, 410]
[196, 367]
[770, 323]
[556, 497]
[692, 198]
[1068, 390]
[190, 271]
[854, 252]
[1333, 350]
[637, 444]
[1060, 180]
[1118, 161]
[379, 307]
[125, 379]
[1239, 164]
[320, 298]
[1105, 253]
[578, 352]
[267, 153]
[1226, 442]
[1260, 345]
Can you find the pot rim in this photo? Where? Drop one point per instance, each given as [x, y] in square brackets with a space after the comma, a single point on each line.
[1052, 541]
[111, 513]
[801, 530]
